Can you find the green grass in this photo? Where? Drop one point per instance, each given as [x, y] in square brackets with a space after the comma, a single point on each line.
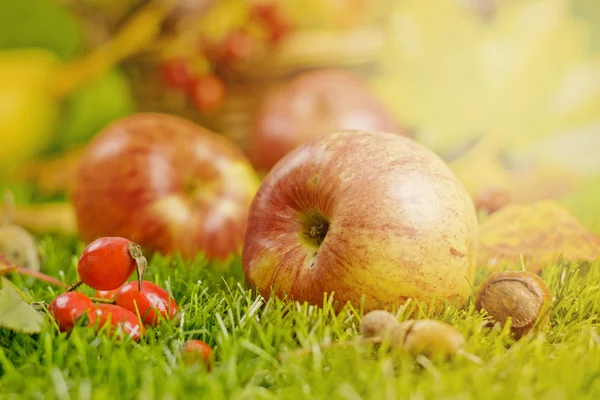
[248, 333]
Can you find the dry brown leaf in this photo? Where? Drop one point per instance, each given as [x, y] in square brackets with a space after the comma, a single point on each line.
[487, 181]
[58, 217]
[52, 175]
[493, 185]
[543, 181]
[539, 233]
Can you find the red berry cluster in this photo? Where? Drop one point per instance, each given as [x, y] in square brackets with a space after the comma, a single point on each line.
[278, 27]
[105, 265]
[206, 90]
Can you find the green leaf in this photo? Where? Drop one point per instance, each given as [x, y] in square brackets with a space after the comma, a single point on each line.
[38, 23]
[15, 313]
[93, 106]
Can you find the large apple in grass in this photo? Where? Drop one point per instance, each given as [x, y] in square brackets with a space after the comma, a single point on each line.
[361, 214]
[311, 104]
[165, 183]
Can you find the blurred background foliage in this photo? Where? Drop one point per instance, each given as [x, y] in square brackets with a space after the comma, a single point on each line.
[506, 91]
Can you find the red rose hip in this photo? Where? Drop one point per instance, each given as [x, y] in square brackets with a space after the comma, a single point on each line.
[150, 302]
[107, 294]
[108, 262]
[119, 317]
[195, 351]
[208, 93]
[68, 308]
[176, 73]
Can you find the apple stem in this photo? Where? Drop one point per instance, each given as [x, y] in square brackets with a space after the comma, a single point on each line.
[310, 350]
[74, 286]
[103, 301]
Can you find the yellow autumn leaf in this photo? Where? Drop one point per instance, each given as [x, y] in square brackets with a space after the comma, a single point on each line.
[523, 74]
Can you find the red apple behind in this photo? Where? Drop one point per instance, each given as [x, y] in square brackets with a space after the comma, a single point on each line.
[361, 214]
[168, 184]
[309, 105]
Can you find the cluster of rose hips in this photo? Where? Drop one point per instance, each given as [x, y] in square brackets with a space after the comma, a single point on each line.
[105, 265]
[206, 90]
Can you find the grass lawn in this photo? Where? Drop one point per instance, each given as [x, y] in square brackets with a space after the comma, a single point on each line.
[248, 334]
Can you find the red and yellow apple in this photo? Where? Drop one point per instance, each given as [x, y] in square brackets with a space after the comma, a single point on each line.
[361, 214]
[167, 184]
[311, 104]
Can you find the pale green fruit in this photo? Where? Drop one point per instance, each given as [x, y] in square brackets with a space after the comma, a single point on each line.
[377, 323]
[427, 337]
[18, 246]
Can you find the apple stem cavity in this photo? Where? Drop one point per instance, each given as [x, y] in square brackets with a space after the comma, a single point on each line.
[135, 251]
[316, 229]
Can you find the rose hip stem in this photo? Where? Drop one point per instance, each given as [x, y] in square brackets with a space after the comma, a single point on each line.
[103, 301]
[74, 286]
[35, 274]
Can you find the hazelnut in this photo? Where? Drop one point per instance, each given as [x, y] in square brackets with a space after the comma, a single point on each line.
[520, 295]
[377, 323]
[427, 337]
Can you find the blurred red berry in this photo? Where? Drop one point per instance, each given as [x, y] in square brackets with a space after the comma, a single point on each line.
[279, 31]
[270, 16]
[176, 73]
[237, 46]
[207, 93]
[263, 12]
[197, 351]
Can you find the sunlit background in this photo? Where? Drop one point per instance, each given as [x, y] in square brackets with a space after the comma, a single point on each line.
[506, 91]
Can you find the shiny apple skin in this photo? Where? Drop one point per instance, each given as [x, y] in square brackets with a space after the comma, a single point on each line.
[167, 183]
[401, 225]
[311, 104]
